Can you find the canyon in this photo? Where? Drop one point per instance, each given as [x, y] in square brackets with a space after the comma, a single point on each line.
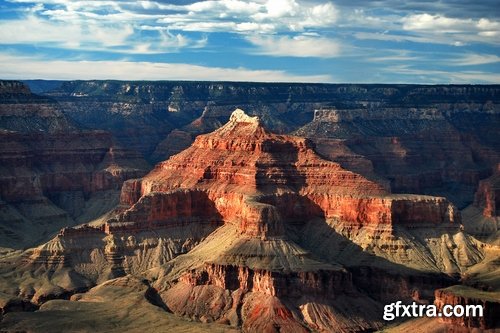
[308, 211]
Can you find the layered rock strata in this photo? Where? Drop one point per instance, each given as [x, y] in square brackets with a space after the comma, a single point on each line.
[263, 184]
[442, 149]
[141, 114]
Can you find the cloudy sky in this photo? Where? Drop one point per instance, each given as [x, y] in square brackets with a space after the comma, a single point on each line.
[358, 41]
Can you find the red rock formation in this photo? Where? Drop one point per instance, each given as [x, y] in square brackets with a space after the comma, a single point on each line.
[257, 185]
[173, 209]
[488, 195]
[241, 160]
[217, 292]
[293, 284]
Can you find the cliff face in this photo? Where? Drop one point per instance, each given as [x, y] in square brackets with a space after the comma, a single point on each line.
[488, 195]
[50, 169]
[433, 148]
[482, 217]
[242, 157]
[24, 112]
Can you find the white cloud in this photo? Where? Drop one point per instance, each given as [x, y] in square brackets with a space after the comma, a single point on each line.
[32, 30]
[465, 30]
[420, 28]
[93, 35]
[299, 46]
[400, 38]
[442, 76]
[116, 26]
[256, 16]
[435, 23]
[476, 59]
[16, 67]
[275, 9]
[401, 56]
[321, 15]
[230, 7]
[485, 24]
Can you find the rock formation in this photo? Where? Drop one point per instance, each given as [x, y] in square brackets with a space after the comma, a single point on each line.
[488, 195]
[438, 149]
[481, 218]
[435, 140]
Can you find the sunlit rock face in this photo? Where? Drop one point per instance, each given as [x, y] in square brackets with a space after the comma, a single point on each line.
[487, 196]
[238, 214]
[261, 179]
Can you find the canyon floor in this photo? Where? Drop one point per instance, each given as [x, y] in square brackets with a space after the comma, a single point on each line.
[226, 207]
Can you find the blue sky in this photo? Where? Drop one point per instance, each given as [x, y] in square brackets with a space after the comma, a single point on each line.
[345, 41]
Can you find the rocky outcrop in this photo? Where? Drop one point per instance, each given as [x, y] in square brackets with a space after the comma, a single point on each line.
[481, 218]
[263, 284]
[488, 195]
[254, 298]
[264, 185]
[173, 209]
[271, 283]
[467, 296]
[102, 309]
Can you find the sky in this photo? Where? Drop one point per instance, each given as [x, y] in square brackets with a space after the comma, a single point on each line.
[341, 41]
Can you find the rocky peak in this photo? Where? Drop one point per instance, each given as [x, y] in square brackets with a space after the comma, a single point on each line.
[242, 125]
[239, 116]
